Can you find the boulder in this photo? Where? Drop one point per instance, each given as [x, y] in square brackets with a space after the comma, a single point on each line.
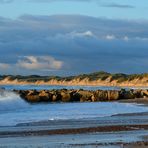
[113, 95]
[56, 96]
[23, 93]
[45, 96]
[100, 95]
[32, 92]
[93, 99]
[126, 94]
[75, 96]
[137, 93]
[33, 98]
[85, 95]
[144, 93]
[65, 96]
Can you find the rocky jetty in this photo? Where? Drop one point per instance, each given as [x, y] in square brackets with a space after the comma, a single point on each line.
[81, 95]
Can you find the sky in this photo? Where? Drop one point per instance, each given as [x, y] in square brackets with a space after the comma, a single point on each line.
[68, 37]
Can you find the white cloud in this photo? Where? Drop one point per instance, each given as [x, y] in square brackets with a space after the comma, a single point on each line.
[40, 62]
[110, 37]
[141, 38]
[87, 33]
[71, 35]
[34, 63]
[126, 38]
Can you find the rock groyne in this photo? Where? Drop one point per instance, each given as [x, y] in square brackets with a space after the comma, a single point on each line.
[64, 95]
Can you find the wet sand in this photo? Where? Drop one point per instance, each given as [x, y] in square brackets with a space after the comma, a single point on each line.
[114, 139]
[113, 128]
[124, 130]
[141, 101]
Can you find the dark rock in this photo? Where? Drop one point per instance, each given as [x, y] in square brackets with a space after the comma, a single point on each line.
[75, 96]
[56, 96]
[85, 95]
[32, 98]
[144, 93]
[101, 95]
[137, 93]
[65, 96]
[45, 96]
[126, 94]
[113, 95]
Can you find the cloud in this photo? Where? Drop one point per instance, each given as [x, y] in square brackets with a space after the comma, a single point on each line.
[35, 63]
[40, 63]
[87, 33]
[101, 3]
[71, 44]
[73, 34]
[126, 38]
[110, 37]
[116, 5]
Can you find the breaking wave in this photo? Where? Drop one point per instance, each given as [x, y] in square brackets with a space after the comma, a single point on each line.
[10, 101]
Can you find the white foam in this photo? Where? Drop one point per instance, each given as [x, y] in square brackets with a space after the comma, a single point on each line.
[10, 101]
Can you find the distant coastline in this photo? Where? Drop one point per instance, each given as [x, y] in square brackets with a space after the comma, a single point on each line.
[92, 79]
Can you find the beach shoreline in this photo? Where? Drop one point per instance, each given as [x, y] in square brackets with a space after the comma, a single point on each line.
[129, 130]
[70, 131]
[119, 134]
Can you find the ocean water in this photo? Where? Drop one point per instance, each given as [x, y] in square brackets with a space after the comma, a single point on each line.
[47, 87]
[14, 110]
[44, 87]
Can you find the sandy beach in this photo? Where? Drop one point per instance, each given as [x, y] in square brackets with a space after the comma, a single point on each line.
[124, 130]
[115, 124]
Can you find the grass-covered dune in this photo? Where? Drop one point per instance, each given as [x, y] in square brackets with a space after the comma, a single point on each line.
[96, 78]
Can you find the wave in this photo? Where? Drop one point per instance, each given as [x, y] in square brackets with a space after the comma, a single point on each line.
[10, 101]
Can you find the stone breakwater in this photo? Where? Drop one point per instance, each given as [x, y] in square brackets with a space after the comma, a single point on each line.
[64, 95]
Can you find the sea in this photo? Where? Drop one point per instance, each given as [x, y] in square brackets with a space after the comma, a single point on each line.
[15, 111]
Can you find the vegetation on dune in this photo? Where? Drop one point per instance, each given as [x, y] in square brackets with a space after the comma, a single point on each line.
[95, 76]
[119, 77]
